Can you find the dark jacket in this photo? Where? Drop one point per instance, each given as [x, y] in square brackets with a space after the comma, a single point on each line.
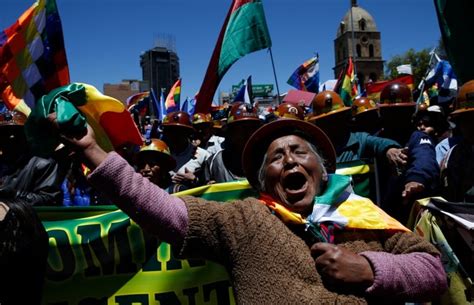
[38, 182]
[422, 165]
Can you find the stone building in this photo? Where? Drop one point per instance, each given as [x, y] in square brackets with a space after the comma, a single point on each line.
[357, 36]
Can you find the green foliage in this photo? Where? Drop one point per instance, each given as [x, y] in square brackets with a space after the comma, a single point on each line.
[419, 61]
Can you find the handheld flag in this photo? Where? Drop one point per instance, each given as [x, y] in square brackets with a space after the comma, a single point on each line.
[172, 100]
[32, 57]
[346, 86]
[440, 77]
[138, 103]
[76, 104]
[244, 31]
[306, 76]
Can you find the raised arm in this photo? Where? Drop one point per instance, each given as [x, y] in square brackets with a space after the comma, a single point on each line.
[148, 205]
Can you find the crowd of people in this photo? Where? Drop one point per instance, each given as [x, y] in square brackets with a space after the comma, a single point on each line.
[292, 243]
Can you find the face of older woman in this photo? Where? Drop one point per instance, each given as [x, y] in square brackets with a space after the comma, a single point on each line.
[293, 173]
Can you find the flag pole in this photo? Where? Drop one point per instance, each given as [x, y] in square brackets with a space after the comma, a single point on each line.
[274, 75]
[353, 3]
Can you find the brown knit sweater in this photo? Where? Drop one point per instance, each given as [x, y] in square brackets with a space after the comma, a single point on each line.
[267, 262]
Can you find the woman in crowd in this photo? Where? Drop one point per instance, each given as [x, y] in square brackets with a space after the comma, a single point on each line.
[295, 245]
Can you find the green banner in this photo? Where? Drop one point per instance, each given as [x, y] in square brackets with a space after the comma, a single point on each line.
[99, 256]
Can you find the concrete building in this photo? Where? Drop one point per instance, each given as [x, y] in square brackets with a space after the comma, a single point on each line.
[357, 36]
[126, 88]
[160, 68]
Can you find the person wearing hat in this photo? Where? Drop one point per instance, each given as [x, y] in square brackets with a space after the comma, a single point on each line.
[356, 151]
[177, 132]
[433, 121]
[289, 246]
[203, 136]
[225, 165]
[396, 108]
[419, 178]
[36, 180]
[457, 169]
[154, 161]
[365, 116]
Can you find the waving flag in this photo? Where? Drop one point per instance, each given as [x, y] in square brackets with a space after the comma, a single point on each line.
[374, 89]
[244, 31]
[306, 76]
[76, 104]
[405, 69]
[245, 93]
[443, 75]
[172, 100]
[346, 86]
[188, 106]
[138, 102]
[32, 57]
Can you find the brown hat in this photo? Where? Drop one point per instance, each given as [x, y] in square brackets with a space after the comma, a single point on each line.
[240, 111]
[290, 111]
[327, 103]
[363, 105]
[178, 119]
[465, 99]
[396, 94]
[258, 143]
[160, 150]
[202, 118]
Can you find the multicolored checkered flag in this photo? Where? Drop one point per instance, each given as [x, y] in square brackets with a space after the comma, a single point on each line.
[32, 57]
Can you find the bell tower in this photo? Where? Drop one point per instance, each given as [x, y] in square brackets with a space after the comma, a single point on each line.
[357, 36]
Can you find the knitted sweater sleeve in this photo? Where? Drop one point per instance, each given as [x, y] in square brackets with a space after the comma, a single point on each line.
[410, 270]
[148, 205]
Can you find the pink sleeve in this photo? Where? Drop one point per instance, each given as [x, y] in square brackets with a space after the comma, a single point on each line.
[148, 205]
[415, 276]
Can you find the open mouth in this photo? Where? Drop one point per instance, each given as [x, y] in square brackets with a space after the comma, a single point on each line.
[295, 184]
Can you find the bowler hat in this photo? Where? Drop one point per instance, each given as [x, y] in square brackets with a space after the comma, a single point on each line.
[258, 143]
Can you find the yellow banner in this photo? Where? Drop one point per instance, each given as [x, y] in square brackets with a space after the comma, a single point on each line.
[99, 256]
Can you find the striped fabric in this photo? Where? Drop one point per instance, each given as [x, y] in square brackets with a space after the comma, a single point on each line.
[346, 85]
[138, 102]
[374, 89]
[32, 57]
[306, 76]
[337, 208]
[172, 100]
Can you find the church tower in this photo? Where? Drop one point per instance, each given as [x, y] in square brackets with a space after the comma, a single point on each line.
[357, 36]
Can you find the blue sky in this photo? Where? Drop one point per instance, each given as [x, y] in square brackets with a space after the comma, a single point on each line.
[104, 38]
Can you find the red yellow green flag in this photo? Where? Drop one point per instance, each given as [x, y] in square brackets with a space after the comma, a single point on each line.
[346, 85]
[244, 31]
[172, 100]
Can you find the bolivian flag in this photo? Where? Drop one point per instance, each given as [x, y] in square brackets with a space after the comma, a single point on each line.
[75, 105]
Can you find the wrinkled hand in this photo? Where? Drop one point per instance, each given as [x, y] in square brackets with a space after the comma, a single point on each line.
[397, 156]
[342, 269]
[412, 188]
[187, 178]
